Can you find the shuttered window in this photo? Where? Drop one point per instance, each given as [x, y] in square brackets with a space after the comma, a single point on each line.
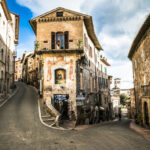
[66, 34]
[53, 40]
[60, 40]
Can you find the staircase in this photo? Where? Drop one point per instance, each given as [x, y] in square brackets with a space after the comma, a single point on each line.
[51, 116]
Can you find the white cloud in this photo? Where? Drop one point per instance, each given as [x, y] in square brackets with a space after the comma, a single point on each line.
[40, 6]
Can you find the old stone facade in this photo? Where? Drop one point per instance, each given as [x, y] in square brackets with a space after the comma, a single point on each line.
[140, 57]
[9, 25]
[72, 75]
[18, 70]
[131, 105]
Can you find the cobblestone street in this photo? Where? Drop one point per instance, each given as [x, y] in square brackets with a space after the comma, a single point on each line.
[21, 129]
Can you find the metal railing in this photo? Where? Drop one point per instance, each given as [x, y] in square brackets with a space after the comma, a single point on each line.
[146, 90]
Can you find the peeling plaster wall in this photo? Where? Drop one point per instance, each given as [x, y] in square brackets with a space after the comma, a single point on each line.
[60, 61]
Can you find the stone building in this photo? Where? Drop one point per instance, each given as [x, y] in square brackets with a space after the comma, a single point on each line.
[131, 105]
[27, 66]
[139, 54]
[18, 70]
[72, 74]
[115, 96]
[9, 31]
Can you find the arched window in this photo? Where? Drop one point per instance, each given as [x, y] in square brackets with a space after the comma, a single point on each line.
[60, 76]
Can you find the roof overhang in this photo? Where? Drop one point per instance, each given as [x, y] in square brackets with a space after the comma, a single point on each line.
[6, 10]
[90, 29]
[139, 36]
[17, 21]
[105, 61]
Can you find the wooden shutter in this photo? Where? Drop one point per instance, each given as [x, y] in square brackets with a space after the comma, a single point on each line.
[53, 40]
[66, 34]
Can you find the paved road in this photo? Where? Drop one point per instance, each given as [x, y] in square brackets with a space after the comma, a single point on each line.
[20, 129]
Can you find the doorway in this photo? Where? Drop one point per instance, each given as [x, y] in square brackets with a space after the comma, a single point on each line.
[146, 117]
[61, 105]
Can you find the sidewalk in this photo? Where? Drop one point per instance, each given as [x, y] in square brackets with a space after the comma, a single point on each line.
[4, 99]
[144, 132]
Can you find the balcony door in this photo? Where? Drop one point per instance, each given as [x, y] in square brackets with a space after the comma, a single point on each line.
[59, 40]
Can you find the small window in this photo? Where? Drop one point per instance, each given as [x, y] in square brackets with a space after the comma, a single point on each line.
[45, 41]
[59, 14]
[81, 79]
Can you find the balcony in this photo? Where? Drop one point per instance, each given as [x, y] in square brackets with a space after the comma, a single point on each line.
[45, 46]
[146, 90]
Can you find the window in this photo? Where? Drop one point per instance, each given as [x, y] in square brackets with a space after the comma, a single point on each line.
[81, 79]
[90, 51]
[91, 83]
[60, 40]
[2, 54]
[105, 70]
[101, 68]
[1, 75]
[60, 76]
[59, 14]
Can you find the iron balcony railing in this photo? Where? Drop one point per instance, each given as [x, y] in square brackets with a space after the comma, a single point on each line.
[146, 90]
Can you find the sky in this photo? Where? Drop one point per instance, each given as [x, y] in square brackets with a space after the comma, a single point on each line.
[116, 24]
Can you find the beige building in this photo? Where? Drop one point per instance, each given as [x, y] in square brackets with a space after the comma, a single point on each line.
[9, 25]
[139, 54]
[72, 74]
[18, 70]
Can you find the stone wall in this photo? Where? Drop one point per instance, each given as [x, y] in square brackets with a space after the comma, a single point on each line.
[141, 69]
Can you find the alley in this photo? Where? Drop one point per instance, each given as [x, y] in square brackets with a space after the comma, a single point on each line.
[20, 129]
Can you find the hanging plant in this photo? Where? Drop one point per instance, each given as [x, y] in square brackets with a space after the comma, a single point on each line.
[80, 42]
[36, 45]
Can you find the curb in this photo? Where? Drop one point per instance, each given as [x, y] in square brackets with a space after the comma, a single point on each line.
[140, 130]
[40, 117]
[5, 101]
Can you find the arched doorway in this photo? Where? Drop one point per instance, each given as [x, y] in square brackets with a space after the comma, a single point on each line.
[146, 117]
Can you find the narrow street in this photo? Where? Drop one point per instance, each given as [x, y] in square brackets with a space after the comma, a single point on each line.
[21, 129]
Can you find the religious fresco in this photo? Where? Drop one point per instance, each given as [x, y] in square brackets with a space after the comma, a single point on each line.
[60, 76]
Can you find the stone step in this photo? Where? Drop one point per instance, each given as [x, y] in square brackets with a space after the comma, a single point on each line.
[47, 116]
[48, 119]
